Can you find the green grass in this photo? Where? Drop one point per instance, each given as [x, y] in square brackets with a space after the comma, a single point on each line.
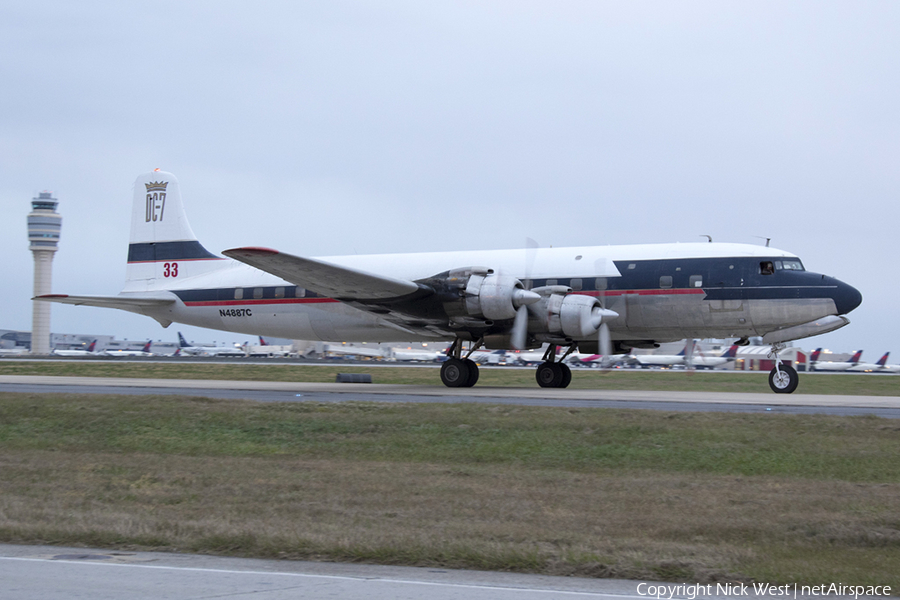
[591, 492]
[812, 383]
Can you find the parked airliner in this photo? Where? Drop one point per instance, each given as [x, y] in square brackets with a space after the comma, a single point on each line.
[87, 352]
[879, 367]
[828, 365]
[598, 299]
[145, 351]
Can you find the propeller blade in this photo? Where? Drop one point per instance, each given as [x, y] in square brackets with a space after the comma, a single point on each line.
[605, 342]
[520, 328]
[689, 353]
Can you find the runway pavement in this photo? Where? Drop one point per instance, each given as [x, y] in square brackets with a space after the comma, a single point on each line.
[885, 406]
[51, 573]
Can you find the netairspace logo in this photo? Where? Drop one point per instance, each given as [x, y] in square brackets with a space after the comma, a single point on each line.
[690, 591]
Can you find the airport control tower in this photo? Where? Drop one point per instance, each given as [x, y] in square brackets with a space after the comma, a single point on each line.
[44, 225]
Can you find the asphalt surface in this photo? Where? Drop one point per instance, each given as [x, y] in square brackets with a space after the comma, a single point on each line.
[884, 406]
[51, 573]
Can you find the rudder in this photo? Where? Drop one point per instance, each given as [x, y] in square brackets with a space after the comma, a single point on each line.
[163, 249]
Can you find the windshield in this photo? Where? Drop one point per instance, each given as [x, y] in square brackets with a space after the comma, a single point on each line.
[789, 265]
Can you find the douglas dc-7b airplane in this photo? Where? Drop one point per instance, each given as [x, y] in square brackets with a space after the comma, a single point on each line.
[597, 299]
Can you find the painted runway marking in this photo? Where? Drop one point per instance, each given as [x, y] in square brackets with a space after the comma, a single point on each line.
[375, 579]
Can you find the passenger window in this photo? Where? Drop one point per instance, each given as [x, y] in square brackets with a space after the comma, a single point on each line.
[300, 293]
[695, 281]
[575, 284]
[279, 292]
[238, 293]
[551, 282]
[257, 293]
[766, 267]
[600, 283]
[665, 281]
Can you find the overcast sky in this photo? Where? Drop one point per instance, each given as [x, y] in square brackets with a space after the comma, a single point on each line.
[360, 127]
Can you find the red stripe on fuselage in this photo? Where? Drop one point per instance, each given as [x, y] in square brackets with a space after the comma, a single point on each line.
[258, 302]
[654, 292]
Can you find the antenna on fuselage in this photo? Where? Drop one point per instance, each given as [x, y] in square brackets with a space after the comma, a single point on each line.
[709, 237]
[768, 239]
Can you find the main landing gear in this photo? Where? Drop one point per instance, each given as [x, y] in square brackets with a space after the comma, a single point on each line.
[783, 379]
[457, 371]
[551, 373]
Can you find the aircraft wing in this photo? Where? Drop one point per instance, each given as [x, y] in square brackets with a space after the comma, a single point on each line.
[340, 283]
[120, 302]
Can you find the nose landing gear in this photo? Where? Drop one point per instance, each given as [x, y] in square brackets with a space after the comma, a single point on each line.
[783, 379]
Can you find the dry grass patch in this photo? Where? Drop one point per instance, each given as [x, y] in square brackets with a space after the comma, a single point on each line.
[630, 494]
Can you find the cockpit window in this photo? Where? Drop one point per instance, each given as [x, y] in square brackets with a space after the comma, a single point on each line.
[766, 267]
[789, 265]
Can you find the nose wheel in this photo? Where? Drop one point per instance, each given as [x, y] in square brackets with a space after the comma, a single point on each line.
[783, 379]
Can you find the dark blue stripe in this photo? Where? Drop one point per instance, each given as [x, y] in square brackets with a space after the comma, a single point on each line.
[153, 251]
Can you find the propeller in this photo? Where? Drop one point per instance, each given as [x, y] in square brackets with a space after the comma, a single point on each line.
[599, 321]
[519, 334]
[689, 354]
[521, 299]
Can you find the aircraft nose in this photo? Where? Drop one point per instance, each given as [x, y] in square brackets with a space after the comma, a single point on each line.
[846, 298]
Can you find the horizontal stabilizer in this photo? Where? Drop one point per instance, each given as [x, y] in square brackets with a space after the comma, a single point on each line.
[121, 302]
[337, 282]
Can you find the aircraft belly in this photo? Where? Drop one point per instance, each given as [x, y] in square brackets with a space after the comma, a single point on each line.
[770, 315]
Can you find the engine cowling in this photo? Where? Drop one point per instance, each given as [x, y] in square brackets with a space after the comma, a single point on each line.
[561, 315]
[484, 294]
[496, 297]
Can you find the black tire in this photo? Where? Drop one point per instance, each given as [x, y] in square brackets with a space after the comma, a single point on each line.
[548, 375]
[566, 375]
[473, 372]
[454, 373]
[787, 382]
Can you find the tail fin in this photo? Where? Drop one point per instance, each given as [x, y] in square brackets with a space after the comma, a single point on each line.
[182, 343]
[92, 346]
[814, 357]
[856, 357]
[146, 347]
[731, 352]
[883, 360]
[262, 341]
[163, 248]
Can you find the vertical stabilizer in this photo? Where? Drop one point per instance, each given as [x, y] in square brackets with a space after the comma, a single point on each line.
[163, 249]
[883, 360]
[856, 357]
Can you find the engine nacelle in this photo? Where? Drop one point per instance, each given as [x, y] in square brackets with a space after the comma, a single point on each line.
[492, 296]
[484, 294]
[561, 315]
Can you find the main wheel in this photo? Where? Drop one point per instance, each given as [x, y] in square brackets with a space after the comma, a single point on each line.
[784, 380]
[549, 374]
[455, 373]
[473, 372]
[566, 375]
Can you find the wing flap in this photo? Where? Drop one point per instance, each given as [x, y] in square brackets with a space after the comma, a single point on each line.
[341, 283]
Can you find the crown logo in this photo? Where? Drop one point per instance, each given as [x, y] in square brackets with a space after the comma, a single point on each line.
[156, 186]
